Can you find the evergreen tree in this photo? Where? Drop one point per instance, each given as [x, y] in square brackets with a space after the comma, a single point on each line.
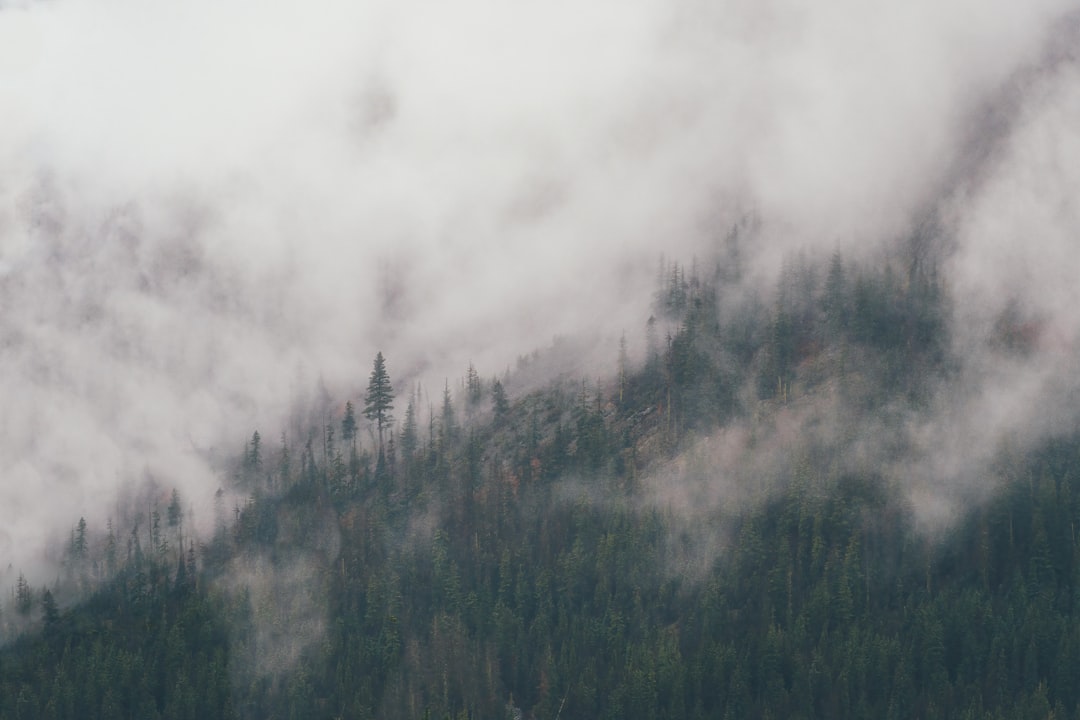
[474, 388]
[499, 403]
[379, 400]
[409, 435]
[110, 548]
[157, 540]
[448, 428]
[24, 596]
[80, 539]
[174, 513]
[348, 424]
[835, 300]
[256, 451]
[284, 461]
[50, 609]
[192, 567]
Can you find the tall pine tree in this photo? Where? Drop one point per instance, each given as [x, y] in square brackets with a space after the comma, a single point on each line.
[379, 400]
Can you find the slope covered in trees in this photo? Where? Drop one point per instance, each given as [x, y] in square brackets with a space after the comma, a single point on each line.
[529, 556]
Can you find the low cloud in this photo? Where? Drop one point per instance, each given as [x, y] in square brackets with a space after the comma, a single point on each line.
[209, 208]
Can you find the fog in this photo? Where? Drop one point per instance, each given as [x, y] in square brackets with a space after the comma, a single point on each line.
[209, 209]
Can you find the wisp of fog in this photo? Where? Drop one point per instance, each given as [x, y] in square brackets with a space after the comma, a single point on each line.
[207, 208]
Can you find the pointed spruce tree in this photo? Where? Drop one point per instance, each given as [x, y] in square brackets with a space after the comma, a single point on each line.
[499, 402]
[410, 435]
[379, 400]
[348, 424]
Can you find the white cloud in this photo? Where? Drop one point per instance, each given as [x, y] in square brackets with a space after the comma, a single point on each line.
[206, 206]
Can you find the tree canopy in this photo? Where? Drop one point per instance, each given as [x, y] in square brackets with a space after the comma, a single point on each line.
[514, 562]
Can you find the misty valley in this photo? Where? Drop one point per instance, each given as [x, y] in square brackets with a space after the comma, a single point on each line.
[749, 512]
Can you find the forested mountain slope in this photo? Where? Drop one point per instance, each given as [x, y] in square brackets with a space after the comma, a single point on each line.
[721, 530]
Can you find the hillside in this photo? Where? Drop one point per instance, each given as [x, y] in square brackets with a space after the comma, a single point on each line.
[732, 527]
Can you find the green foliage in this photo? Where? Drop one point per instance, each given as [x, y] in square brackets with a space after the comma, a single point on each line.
[511, 566]
[24, 597]
[348, 423]
[379, 400]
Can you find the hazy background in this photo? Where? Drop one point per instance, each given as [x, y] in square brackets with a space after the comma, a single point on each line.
[210, 208]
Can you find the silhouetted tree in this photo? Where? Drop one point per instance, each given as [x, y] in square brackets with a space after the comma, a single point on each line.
[474, 388]
[348, 424]
[50, 610]
[174, 513]
[379, 400]
[24, 596]
[410, 439]
[499, 403]
[79, 544]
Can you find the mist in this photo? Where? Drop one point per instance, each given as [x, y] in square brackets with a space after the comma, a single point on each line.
[209, 209]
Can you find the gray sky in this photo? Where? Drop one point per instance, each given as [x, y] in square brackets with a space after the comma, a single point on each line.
[208, 206]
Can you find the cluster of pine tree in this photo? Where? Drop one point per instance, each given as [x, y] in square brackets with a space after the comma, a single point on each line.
[496, 558]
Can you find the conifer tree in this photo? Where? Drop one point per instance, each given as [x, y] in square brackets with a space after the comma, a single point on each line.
[409, 435]
[24, 596]
[448, 427]
[110, 548]
[348, 424]
[253, 456]
[50, 609]
[157, 539]
[473, 386]
[284, 461]
[80, 539]
[174, 514]
[499, 402]
[191, 562]
[379, 400]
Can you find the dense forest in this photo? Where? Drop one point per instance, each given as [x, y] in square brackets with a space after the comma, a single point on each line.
[569, 551]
